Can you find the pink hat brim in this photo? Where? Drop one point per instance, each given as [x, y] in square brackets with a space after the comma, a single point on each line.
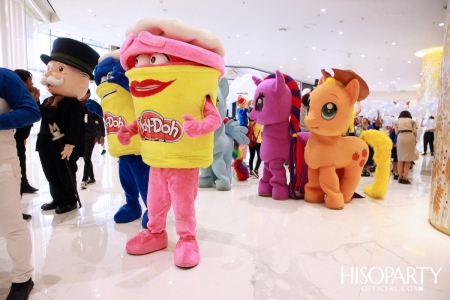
[146, 42]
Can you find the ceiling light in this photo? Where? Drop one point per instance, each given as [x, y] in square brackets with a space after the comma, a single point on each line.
[379, 82]
[247, 52]
[441, 24]
[309, 76]
[237, 35]
[109, 26]
[323, 9]
[381, 69]
[339, 65]
[398, 78]
[409, 61]
[281, 67]
[340, 32]
[416, 86]
[90, 10]
[363, 55]
[295, 58]
[314, 48]
[393, 44]
[239, 61]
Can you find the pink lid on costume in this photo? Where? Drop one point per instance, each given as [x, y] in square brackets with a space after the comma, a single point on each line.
[146, 42]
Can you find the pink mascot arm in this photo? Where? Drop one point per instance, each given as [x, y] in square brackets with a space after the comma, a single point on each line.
[126, 132]
[210, 123]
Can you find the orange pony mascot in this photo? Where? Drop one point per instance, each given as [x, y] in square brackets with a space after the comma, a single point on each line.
[335, 162]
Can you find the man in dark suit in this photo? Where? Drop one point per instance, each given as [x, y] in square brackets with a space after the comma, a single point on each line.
[69, 69]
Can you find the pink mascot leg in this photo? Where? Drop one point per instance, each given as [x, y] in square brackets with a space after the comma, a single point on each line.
[183, 186]
[278, 181]
[158, 203]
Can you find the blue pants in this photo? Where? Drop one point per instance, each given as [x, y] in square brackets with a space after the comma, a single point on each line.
[133, 174]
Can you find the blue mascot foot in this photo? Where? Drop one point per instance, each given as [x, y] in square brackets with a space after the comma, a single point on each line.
[145, 219]
[223, 184]
[205, 182]
[128, 213]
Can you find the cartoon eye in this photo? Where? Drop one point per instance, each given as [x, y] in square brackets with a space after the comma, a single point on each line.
[329, 111]
[109, 75]
[142, 60]
[259, 102]
[217, 100]
[159, 59]
[103, 79]
[61, 69]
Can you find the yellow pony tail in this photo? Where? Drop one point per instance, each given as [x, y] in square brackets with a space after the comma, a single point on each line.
[382, 146]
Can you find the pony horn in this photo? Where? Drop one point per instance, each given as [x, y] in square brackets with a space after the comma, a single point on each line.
[256, 80]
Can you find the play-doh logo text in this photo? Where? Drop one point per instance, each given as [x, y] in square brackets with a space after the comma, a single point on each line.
[154, 127]
[113, 123]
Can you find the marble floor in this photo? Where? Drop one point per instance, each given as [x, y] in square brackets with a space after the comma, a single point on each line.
[251, 247]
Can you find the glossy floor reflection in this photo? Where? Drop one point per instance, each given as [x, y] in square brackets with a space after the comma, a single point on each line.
[251, 247]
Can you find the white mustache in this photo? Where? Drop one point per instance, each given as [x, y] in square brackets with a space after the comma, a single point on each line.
[52, 81]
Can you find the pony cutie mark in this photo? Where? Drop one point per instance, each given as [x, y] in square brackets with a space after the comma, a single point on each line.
[277, 107]
[335, 162]
[173, 69]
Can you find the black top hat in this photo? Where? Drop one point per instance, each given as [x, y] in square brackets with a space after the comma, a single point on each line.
[73, 53]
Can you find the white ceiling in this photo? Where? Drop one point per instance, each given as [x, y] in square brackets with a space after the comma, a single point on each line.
[369, 28]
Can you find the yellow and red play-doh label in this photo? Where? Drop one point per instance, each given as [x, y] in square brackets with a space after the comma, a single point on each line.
[118, 110]
[113, 122]
[153, 127]
[161, 96]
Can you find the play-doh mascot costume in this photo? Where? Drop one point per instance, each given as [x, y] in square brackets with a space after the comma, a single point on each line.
[173, 69]
[277, 107]
[335, 162]
[118, 110]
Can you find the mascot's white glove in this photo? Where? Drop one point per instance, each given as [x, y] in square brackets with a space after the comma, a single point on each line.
[67, 151]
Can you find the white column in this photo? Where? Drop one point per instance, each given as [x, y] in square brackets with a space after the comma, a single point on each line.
[12, 34]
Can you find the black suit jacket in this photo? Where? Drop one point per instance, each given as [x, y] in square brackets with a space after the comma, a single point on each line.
[69, 116]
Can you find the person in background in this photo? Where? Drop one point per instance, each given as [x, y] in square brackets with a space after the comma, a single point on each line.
[22, 135]
[394, 157]
[304, 109]
[257, 130]
[99, 138]
[242, 111]
[428, 138]
[92, 114]
[17, 109]
[406, 129]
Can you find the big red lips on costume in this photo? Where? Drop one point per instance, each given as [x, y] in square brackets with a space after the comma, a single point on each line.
[147, 87]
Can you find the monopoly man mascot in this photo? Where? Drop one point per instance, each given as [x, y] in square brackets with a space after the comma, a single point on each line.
[69, 69]
[118, 110]
[173, 68]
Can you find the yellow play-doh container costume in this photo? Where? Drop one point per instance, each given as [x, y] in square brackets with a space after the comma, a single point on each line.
[118, 110]
[174, 101]
[160, 116]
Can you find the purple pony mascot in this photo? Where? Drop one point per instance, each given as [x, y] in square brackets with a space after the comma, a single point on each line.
[277, 107]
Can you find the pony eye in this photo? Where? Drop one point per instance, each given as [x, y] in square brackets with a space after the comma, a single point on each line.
[259, 102]
[329, 111]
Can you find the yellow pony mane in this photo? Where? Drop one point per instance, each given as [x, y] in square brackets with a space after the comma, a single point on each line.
[331, 80]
